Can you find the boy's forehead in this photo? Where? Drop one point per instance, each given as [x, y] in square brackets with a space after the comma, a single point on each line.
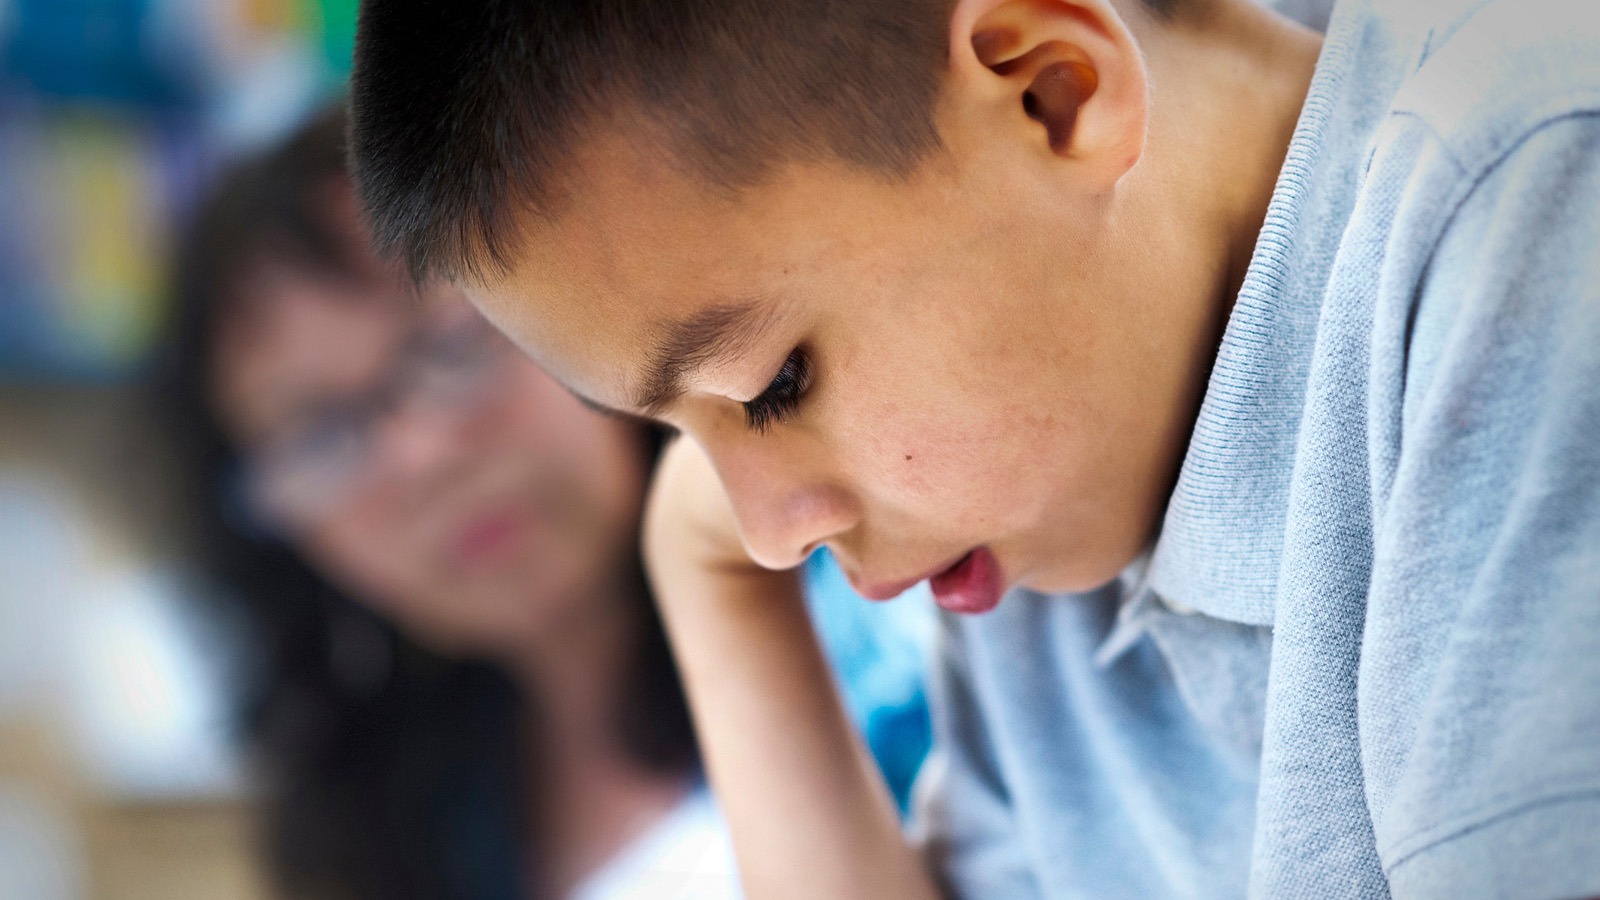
[582, 341]
[621, 279]
[607, 291]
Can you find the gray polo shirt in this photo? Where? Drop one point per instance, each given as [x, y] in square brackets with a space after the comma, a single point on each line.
[1363, 658]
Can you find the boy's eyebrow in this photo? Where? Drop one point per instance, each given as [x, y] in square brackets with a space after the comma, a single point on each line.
[711, 335]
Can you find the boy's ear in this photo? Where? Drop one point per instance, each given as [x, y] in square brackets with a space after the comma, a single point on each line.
[1064, 75]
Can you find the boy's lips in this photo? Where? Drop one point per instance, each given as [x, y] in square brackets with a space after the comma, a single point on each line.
[970, 584]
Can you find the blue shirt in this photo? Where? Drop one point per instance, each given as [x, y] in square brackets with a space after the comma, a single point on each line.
[1363, 657]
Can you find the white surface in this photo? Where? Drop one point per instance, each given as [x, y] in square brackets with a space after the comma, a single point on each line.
[145, 684]
[685, 856]
[120, 655]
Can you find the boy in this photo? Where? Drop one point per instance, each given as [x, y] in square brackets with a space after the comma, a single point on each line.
[1249, 378]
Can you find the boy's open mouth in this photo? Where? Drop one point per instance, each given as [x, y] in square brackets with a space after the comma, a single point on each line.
[972, 585]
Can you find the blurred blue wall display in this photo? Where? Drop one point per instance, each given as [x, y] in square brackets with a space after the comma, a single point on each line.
[112, 114]
[86, 198]
[99, 49]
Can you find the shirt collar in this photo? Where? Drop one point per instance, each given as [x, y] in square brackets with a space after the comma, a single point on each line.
[1222, 537]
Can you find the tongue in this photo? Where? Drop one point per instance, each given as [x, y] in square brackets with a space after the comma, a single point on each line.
[971, 585]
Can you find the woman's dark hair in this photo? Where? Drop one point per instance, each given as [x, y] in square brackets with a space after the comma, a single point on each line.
[391, 773]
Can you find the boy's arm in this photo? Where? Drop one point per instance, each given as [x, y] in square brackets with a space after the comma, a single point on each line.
[808, 812]
[1479, 687]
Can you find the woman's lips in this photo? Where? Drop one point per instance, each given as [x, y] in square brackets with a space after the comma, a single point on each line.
[971, 584]
[488, 537]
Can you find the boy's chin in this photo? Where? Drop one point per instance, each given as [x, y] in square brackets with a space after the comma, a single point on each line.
[1079, 576]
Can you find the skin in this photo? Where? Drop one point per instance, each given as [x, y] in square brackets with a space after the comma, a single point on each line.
[553, 492]
[1010, 346]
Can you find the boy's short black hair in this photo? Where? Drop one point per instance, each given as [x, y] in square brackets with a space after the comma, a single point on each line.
[465, 113]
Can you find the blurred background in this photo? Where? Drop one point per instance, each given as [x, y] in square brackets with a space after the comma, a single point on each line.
[118, 772]
[121, 770]
[119, 775]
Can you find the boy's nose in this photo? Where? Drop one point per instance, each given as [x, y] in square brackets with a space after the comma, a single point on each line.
[785, 510]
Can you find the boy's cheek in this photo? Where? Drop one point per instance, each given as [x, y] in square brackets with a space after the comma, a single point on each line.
[953, 474]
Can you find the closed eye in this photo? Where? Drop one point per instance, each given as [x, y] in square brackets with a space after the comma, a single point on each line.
[783, 395]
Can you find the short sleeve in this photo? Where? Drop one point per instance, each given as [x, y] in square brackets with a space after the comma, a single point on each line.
[1479, 691]
[962, 813]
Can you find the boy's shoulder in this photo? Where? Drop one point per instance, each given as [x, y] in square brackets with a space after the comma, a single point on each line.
[1490, 73]
[1482, 159]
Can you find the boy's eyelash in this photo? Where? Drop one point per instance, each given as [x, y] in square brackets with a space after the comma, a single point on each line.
[778, 401]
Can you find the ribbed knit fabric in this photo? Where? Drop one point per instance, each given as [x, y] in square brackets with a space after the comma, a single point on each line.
[1363, 659]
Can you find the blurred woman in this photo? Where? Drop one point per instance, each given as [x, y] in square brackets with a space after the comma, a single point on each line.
[462, 690]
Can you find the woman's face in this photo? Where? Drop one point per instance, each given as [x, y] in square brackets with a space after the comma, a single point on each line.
[423, 464]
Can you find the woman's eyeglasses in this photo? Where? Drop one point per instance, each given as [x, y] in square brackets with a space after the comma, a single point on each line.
[305, 470]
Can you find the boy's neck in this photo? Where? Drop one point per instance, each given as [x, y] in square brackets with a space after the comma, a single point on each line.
[1227, 86]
